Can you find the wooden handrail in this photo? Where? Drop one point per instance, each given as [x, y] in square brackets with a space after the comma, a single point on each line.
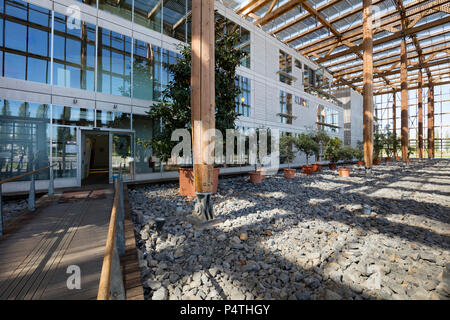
[25, 174]
[105, 276]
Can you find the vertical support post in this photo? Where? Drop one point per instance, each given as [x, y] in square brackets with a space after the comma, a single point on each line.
[1, 211]
[431, 122]
[368, 84]
[32, 195]
[394, 120]
[404, 88]
[420, 115]
[120, 233]
[203, 103]
[51, 183]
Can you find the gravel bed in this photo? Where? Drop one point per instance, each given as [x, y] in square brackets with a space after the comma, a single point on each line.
[306, 238]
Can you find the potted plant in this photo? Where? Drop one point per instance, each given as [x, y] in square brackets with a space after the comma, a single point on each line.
[322, 140]
[389, 144]
[359, 153]
[306, 144]
[286, 145]
[377, 147]
[346, 153]
[332, 152]
[174, 110]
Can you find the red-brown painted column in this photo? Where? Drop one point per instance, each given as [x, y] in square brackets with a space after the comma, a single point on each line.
[368, 83]
[394, 118]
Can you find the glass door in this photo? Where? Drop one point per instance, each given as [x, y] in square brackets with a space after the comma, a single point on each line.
[122, 154]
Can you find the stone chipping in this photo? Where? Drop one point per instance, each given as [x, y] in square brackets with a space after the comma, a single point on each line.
[302, 239]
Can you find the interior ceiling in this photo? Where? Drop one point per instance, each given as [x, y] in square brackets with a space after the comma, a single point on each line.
[329, 32]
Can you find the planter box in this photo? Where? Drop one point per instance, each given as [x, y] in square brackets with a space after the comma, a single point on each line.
[317, 167]
[307, 169]
[289, 173]
[256, 177]
[186, 181]
[344, 172]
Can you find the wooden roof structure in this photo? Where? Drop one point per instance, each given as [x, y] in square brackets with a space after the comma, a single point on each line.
[330, 33]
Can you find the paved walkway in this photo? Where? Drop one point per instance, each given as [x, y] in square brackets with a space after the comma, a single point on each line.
[71, 230]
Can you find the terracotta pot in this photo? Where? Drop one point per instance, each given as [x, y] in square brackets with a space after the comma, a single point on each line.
[397, 158]
[186, 181]
[307, 169]
[317, 167]
[344, 172]
[289, 173]
[376, 161]
[388, 159]
[408, 160]
[262, 172]
[332, 166]
[360, 163]
[255, 177]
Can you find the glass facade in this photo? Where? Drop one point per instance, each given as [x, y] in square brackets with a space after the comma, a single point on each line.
[25, 41]
[243, 101]
[72, 116]
[74, 53]
[285, 107]
[147, 13]
[112, 119]
[285, 67]
[327, 119]
[64, 152]
[24, 138]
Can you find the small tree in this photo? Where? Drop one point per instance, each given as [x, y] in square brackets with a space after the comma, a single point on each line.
[359, 151]
[322, 139]
[332, 150]
[377, 144]
[307, 145]
[346, 153]
[286, 144]
[175, 110]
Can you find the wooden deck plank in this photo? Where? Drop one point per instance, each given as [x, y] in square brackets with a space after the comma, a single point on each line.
[35, 255]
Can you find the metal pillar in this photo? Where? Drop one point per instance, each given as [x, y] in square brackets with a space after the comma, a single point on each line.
[203, 102]
[368, 84]
[430, 122]
[404, 88]
[420, 116]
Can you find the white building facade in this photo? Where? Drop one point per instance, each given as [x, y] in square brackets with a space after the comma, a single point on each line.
[77, 78]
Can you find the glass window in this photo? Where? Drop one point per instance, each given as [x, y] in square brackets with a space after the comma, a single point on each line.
[24, 138]
[225, 26]
[112, 119]
[285, 107]
[145, 129]
[143, 70]
[114, 63]
[64, 152]
[83, 117]
[285, 67]
[327, 119]
[121, 8]
[25, 37]
[147, 13]
[243, 101]
[174, 19]
[74, 58]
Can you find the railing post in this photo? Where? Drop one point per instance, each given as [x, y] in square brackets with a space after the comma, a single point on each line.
[51, 183]
[117, 290]
[120, 235]
[32, 195]
[1, 211]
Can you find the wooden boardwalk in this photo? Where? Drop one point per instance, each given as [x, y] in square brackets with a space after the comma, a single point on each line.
[71, 230]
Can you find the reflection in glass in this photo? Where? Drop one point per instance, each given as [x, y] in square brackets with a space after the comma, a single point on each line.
[111, 119]
[74, 53]
[286, 107]
[114, 63]
[25, 41]
[147, 13]
[121, 8]
[89, 2]
[327, 119]
[243, 101]
[174, 19]
[72, 116]
[143, 70]
[144, 128]
[24, 138]
[122, 151]
[64, 152]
